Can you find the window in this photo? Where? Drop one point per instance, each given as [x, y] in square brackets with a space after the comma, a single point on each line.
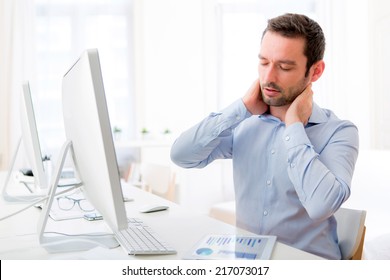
[63, 30]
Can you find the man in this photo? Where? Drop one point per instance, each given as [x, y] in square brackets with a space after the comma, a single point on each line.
[292, 160]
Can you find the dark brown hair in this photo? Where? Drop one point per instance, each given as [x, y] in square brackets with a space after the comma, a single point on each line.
[300, 26]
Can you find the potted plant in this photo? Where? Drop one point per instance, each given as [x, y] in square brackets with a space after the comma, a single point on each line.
[167, 131]
[144, 132]
[117, 132]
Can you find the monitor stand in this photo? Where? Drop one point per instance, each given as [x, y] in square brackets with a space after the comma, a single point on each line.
[32, 194]
[29, 197]
[68, 243]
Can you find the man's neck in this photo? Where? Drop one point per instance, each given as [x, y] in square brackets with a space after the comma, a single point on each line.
[279, 111]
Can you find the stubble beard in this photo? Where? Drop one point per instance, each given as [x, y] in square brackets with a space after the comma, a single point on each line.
[286, 96]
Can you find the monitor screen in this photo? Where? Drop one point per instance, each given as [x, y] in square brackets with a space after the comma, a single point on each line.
[87, 126]
[30, 139]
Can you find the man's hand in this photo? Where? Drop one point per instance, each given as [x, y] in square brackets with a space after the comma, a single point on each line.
[253, 101]
[300, 110]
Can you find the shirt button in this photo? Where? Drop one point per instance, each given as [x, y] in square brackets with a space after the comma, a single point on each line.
[287, 138]
[268, 182]
[265, 213]
[272, 151]
[292, 165]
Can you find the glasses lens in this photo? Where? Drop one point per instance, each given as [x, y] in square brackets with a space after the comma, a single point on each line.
[65, 203]
[85, 205]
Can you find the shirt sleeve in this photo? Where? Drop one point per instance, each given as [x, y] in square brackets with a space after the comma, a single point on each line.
[322, 181]
[210, 139]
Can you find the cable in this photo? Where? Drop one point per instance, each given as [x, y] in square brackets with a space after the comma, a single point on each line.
[81, 234]
[34, 197]
[27, 187]
[38, 201]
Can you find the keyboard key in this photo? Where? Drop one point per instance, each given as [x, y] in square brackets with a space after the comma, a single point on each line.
[139, 238]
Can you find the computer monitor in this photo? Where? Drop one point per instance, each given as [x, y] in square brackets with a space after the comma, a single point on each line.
[37, 185]
[90, 143]
[87, 126]
[30, 139]
[89, 140]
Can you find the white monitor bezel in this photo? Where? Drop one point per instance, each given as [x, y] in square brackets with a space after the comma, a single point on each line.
[87, 126]
[30, 138]
[32, 149]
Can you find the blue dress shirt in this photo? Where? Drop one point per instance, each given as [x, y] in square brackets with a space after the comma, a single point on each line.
[288, 181]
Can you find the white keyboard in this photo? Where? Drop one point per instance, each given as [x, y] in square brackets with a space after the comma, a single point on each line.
[139, 239]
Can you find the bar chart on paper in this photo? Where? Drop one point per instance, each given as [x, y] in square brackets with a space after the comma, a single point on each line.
[233, 247]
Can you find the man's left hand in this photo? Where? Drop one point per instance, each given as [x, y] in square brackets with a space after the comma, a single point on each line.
[301, 108]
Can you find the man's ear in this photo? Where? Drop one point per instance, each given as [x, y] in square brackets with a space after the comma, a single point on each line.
[318, 69]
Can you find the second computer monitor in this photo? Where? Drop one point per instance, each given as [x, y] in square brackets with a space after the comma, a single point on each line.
[30, 139]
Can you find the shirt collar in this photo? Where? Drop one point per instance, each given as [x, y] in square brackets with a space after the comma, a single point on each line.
[318, 115]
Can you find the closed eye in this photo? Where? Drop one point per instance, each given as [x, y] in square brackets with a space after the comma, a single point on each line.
[286, 67]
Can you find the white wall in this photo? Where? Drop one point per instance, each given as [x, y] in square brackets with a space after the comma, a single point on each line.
[379, 30]
[169, 66]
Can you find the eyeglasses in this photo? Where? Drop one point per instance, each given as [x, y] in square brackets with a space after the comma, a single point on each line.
[67, 203]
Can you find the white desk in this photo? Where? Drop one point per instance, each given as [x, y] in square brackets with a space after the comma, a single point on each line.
[178, 226]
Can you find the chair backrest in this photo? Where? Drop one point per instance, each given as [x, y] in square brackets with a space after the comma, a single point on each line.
[351, 232]
[159, 179]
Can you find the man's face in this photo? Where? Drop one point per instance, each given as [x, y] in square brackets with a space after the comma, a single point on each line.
[282, 68]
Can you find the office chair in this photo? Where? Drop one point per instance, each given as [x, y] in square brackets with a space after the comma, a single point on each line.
[158, 179]
[351, 231]
[224, 211]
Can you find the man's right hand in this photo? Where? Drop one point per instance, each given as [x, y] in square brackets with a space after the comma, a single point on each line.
[253, 100]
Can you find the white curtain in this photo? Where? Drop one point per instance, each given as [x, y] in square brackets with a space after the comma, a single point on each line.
[16, 23]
